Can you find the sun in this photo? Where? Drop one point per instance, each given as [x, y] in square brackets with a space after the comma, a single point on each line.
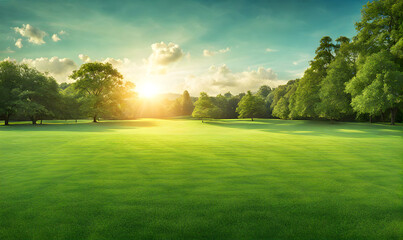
[148, 90]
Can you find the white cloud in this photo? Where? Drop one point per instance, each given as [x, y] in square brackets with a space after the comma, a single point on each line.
[117, 62]
[59, 68]
[84, 58]
[18, 43]
[221, 79]
[270, 50]
[208, 53]
[33, 34]
[55, 38]
[163, 55]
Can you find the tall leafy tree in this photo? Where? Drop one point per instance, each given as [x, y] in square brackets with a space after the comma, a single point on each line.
[228, 94]
[307, 93]
[222, 103]
[182, 106]
[10, 88]
[334, 101]
[41, 95]
[233, 104]
[102, 87]
[264, 91]
[71, 107]
[187, 104]
[251, 106]
[380, 28]
[281, 108]
[27, 91]
[205, 108]
[378, 86]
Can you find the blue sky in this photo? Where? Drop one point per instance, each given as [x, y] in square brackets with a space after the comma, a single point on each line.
[269, 41]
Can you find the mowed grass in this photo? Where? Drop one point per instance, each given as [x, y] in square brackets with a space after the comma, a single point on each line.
[181, 179]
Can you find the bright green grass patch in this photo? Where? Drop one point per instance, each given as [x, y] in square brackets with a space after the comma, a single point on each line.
[181, 179]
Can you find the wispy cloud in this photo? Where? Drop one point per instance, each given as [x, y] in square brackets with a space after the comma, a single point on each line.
[209, 53]
[270, 50]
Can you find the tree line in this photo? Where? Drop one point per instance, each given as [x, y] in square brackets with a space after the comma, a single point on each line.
[358, 78]
[348, 79]
[26, 93]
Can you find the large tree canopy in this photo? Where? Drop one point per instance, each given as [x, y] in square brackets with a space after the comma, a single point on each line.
[103, 88]
[334, 101]
[378, 86]
[251, 106]
[307, 93]
[27, 91]
[205, 108]
[10, 88]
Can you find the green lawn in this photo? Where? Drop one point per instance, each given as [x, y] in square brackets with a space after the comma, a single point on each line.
[181, 179]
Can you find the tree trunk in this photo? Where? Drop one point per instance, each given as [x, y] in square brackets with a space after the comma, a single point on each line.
[6, 119]
[252, 119]
[41, 121]
[95, 119]
[393, 112]
[76, 120]
[202, 121]
[370, 118]
[34, 121]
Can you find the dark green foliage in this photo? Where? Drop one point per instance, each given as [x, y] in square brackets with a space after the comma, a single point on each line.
[378, 86]
[251, 106]
[264, 91]
[364, 76]
[222, 103]
[205, 108]
[187, 104]
[72, 105]
[334, 101]
[233, 104]
[182, 106]
[10, 88]
[64, 85]
[281, 101]
[228, 95]
[28, 92]
[307, 93]
[380, 28]
[102, 88]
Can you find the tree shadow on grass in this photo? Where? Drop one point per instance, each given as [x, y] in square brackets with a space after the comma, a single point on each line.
[81, 127]
[313, 128]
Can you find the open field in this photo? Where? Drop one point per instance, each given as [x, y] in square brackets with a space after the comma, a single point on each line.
[181, 179]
